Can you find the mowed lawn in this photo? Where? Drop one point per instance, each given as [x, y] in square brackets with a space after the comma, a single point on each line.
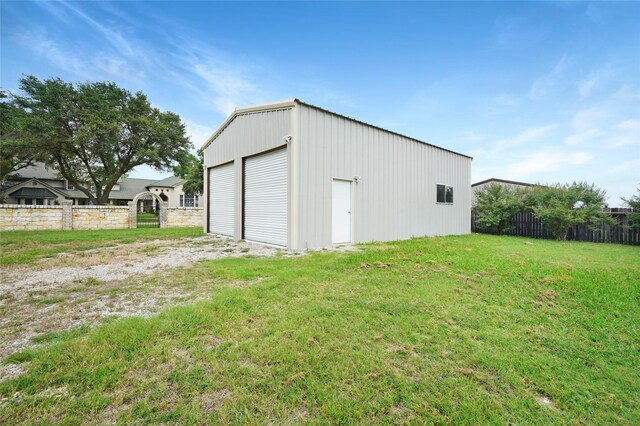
[471, 329]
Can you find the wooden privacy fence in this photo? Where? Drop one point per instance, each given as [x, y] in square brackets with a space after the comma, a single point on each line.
[525, 224]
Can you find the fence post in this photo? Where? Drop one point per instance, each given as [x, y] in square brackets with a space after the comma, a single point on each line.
[67, 214]
[133, 218]
[164, 206]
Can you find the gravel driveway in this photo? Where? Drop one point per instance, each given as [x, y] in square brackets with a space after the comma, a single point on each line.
[84, 288]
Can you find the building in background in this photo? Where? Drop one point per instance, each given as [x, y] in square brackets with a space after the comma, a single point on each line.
[507, 183]
[41, 185]
[298, 176]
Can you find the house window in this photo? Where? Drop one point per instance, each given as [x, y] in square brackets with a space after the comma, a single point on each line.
[68, 186]
[28, 201]
[40, 201]
[444, 194]
[189, 200]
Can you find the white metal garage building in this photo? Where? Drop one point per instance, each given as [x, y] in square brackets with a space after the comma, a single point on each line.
[295, 175]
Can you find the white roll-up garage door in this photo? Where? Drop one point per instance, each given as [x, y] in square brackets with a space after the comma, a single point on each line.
[221, 199]
[265, 197]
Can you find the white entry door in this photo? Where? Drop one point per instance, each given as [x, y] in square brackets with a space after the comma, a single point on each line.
[265, 197]
[221, 200]
[341, 212]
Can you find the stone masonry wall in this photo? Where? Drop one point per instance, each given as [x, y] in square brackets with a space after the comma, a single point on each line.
[184, 216]
[100, 217]
[14, 217]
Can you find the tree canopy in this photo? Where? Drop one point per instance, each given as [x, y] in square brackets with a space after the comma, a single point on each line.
[191, 169]
[557, 206]
[93, 133]
[15, 150]
[561, 206]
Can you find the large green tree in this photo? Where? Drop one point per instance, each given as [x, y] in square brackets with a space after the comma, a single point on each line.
[15, 150]
[191, 169]
[561, 206]
[94, 133]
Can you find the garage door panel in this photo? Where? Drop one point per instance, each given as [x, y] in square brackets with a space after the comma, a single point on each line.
[222, 200]
[266, 198]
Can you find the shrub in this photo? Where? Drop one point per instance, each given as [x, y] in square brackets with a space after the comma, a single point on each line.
[495, 205]
[561, 206]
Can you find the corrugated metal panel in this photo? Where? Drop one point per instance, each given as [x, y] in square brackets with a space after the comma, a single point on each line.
[265, 198]
[396, 196]
[244, 136]
[222, 199]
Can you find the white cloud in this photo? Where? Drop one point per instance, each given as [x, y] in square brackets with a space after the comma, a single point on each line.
[625, 133]
[595, 78]
[529, 135]
[120, 42]
[231, 86]
[99, 65]
[582, 137]
[197, 133]
[588, 118]
[547, 160]
[622, 139]
[627, 92]
[545, 84]
[623, 167]
[632, 125]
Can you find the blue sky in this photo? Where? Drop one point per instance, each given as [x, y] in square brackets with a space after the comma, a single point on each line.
[534, 91]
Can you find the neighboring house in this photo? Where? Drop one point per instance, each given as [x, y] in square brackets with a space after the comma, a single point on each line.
[170, 190]
[507, 183]
[298, 176]
[40, 185]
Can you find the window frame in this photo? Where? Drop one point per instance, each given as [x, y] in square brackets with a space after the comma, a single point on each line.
[446, 191]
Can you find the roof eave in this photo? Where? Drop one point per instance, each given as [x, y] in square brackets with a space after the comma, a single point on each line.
[289, 103]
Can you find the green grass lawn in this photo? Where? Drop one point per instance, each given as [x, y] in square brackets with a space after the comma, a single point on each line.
[472, 329]
[24, 247]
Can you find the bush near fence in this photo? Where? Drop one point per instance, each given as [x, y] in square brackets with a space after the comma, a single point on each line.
[525, 224]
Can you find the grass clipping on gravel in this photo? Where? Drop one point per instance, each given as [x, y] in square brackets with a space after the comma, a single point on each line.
[448, 330]
[27, 247]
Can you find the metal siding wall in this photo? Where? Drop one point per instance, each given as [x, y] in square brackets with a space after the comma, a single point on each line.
[396, 197]
[247, 135]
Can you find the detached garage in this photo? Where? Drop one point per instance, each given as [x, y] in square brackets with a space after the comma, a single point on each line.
[301, 177]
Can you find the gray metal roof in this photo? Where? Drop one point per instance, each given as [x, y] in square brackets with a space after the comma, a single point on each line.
[512, 182]
[290, 103]
[170, 182]
[129, 188]
[14, 189]
[32, 193]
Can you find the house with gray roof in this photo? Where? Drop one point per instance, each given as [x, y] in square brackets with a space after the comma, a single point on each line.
[41, 185]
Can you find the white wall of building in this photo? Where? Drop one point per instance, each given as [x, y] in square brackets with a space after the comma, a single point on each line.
[395, 197]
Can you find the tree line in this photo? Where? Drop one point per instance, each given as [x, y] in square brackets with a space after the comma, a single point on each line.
[93, 134]
[558, 206]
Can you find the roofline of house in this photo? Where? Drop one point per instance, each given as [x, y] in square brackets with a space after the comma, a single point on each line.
[291, 103]
[513, 182]
[24, 183]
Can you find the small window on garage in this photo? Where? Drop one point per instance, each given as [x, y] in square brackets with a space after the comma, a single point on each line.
[444, 194]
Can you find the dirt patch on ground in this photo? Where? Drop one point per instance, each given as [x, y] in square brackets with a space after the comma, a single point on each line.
[84, 288]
